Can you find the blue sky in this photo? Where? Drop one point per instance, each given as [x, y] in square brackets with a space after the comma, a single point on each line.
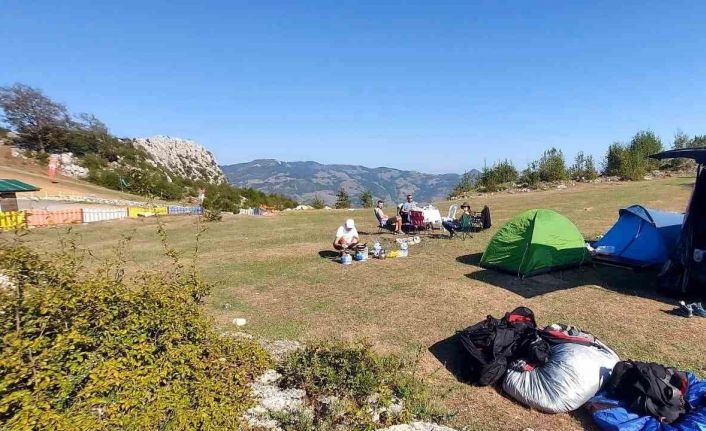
[432, 86]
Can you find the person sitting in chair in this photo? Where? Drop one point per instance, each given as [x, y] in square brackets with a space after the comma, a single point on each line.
[393, 223]
[406, 208]
[453, 225]
[346, 236]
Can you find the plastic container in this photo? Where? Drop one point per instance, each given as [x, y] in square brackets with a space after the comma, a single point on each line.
[404, 250]
[361, 255]
[605, 249]
[376, 249]
[346, 259]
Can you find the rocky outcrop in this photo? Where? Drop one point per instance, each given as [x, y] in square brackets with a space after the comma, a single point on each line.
[183, 157]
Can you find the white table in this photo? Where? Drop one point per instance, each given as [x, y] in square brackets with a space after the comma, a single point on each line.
[431, 215]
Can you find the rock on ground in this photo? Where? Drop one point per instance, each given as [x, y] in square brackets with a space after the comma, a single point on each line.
[279, 349]
[184, 157]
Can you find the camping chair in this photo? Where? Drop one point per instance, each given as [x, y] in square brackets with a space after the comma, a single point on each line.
[416, 221]
[382, 227]
[470, 223]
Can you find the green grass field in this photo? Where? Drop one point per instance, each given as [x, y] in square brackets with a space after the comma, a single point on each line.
[270, 270]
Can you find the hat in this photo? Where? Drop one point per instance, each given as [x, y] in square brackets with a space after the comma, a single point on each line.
[350, 224]
[466, 204]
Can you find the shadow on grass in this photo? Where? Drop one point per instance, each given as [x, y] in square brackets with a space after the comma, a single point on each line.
[624, 281]
[329, 254]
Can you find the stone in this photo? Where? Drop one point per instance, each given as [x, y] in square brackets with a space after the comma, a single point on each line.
[280, 349]
[417, 426]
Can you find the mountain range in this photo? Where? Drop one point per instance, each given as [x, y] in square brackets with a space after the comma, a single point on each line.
[305, 180]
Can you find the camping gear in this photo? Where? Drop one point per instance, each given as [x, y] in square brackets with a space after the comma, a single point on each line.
[404, 249]
[610, 414]
[485, 217]
[573, 374]
[417, 221]
[641, 237]
[650, 397]
[682, 273]
[346, 259]
[535, 242]
[492, 344]
[452, 213]
[361, 255]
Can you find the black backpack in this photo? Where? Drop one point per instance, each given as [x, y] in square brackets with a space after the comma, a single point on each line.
[485, 217]
[651, 389]
[493, 343]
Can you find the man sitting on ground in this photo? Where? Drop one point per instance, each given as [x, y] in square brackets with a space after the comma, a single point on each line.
[393, 223]
[453, 225]
[346, 236]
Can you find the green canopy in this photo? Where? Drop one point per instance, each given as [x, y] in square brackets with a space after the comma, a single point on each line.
[535, 242]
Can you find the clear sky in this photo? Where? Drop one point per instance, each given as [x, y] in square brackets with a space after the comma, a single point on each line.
[433, 86]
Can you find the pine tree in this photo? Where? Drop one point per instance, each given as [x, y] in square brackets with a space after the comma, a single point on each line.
[366, 199]
[343, 201]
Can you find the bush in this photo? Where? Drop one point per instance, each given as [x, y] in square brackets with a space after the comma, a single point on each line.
[551, 166]
[498, 177]
[530, 176]
[642, 145]
[466, 184]
[613, 159]
[317, 203]
[366, 199]
[583, 168]
[355, 374]
[97, 350]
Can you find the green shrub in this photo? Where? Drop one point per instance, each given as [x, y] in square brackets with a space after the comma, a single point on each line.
[530, 176]
[642, 145]
[613, 159]
[354, 374]
[466, 184]
[551, 166]
[317, 203]
[343, 201]
[583, 168]
[98, 350]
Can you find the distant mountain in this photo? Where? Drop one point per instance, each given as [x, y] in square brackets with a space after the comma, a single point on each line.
[304, 180]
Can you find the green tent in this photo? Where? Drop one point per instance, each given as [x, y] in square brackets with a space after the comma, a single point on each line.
[535, 242]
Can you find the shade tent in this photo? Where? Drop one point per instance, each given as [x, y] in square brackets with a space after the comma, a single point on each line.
[535, 242]
[685, 271]
[642, 236]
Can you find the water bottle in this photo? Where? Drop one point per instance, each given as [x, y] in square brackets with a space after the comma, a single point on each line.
[404, 250]
[376, 249]
[605, 249]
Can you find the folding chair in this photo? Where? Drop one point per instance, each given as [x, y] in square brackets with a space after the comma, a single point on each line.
[470, 223]
[416, 220]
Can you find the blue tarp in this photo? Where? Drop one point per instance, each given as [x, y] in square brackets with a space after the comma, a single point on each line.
[643, 236]
[618, 418]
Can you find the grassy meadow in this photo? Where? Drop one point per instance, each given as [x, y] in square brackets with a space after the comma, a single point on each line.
[277, 273]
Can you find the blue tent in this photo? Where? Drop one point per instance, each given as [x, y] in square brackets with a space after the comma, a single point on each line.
[643, 236]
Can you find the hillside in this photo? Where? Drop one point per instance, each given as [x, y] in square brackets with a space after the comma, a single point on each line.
[304, 180]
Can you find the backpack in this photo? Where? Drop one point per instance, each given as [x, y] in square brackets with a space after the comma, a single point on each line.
[485, 217]
[493, 343]
[651, 389]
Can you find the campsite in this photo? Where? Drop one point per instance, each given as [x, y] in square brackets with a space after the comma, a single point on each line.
[278, 273]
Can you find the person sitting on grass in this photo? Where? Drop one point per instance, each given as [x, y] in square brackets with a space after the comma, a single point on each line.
[453, 225]
[393, 223]
[346, 236]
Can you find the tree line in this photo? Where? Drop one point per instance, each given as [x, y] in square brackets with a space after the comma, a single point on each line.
[45, 126]
[629, 161]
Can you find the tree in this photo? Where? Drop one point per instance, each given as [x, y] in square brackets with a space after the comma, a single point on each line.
[343, 201]
[644, 144]
[530, 176]
[465, 184]
[505, 172]
[317, 203]
[613, 159]
[583, 168]
[681, 140]
[552, 166]
[366, 199]
[36, 117]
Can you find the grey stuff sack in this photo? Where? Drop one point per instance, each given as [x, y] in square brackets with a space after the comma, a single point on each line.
[573, 375]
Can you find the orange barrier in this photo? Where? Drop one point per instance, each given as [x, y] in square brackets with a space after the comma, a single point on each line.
[49, 218]
[12, 220]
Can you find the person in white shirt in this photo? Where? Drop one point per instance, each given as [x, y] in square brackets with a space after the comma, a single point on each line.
[406, 208]
[346, 236]
[394, 223]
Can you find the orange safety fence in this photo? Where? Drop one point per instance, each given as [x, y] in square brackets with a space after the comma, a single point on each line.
[57, 217]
